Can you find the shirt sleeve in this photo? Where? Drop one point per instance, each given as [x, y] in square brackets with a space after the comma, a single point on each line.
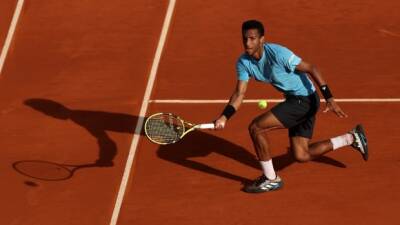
[287, 58]
[241, 71]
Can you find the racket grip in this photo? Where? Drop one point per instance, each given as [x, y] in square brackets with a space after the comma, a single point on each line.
[206, 126]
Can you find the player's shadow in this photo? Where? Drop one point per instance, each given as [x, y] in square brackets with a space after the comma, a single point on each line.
[97, 123]
[195, 144]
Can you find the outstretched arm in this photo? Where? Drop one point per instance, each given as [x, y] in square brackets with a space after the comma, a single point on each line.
[234, 104]
[331, 105]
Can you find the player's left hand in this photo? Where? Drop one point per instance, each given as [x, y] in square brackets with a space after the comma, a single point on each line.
[332, 106]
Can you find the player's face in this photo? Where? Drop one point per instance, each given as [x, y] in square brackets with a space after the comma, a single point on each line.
[252, 42]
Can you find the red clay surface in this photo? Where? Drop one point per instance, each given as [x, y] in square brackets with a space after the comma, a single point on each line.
[94, 58]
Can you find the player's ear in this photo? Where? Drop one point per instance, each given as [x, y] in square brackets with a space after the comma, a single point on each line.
[262, 39]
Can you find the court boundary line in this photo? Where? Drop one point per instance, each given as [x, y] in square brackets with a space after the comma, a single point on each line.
[143, 110]
[10, 34]
[220, 101]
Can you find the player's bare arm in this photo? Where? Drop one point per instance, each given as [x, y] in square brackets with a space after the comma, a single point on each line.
[235, 101]
[238, 94]
[331, 105]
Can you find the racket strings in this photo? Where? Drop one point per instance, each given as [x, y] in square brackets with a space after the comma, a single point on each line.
[164, 128]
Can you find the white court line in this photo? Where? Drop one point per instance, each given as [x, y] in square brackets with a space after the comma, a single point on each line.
[10, 33]
[143, 110]
[219, 101]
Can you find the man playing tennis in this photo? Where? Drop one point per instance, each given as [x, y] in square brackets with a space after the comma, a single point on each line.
[277, 65]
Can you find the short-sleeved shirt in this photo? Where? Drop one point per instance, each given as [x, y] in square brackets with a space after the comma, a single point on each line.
[276, 66]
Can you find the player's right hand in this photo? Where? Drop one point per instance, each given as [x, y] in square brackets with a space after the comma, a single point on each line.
[220, 123]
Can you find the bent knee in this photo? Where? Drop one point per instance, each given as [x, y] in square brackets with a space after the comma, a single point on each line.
[255, 129]
[252, 127]
[302, 155]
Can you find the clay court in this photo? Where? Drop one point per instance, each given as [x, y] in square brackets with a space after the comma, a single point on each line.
[76, 85]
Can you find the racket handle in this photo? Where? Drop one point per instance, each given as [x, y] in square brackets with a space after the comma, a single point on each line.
[205, 126]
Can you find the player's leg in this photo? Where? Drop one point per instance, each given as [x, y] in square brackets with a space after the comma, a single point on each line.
[287, 114]
[304, 152]
[301, 134]
[258, 130]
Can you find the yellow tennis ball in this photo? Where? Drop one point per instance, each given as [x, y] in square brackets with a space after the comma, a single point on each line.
[262, 104]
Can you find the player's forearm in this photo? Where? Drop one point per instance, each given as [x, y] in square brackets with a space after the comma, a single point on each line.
[233, 105]
[238, 94]
[236, 100]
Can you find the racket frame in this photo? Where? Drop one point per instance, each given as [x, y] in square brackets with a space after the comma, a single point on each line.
[185, 125]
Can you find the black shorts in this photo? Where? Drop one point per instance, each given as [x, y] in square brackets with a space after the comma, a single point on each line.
[297, 113]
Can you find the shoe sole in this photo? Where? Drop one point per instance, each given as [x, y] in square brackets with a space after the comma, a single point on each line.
[363, 143]
[262, 191]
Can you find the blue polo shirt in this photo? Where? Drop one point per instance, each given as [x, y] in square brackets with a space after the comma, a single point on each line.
[276, 66]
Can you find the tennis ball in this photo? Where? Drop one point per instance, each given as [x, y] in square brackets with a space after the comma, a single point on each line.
[262, 104]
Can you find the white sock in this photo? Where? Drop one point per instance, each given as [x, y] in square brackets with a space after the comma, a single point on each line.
[341, 141]
[268, 169]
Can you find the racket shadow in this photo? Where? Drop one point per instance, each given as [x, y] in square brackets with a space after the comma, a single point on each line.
[48, 171]
[96, 123]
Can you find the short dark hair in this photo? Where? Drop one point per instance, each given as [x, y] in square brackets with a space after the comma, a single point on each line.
[253, 24]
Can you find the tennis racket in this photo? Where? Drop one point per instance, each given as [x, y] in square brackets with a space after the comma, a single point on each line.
[48, 171]
[167, 128]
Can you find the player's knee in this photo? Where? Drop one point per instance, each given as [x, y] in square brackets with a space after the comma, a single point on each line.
[253, 128]
[302, 155]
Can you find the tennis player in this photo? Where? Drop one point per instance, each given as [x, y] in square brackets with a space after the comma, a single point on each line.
[285, 71]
